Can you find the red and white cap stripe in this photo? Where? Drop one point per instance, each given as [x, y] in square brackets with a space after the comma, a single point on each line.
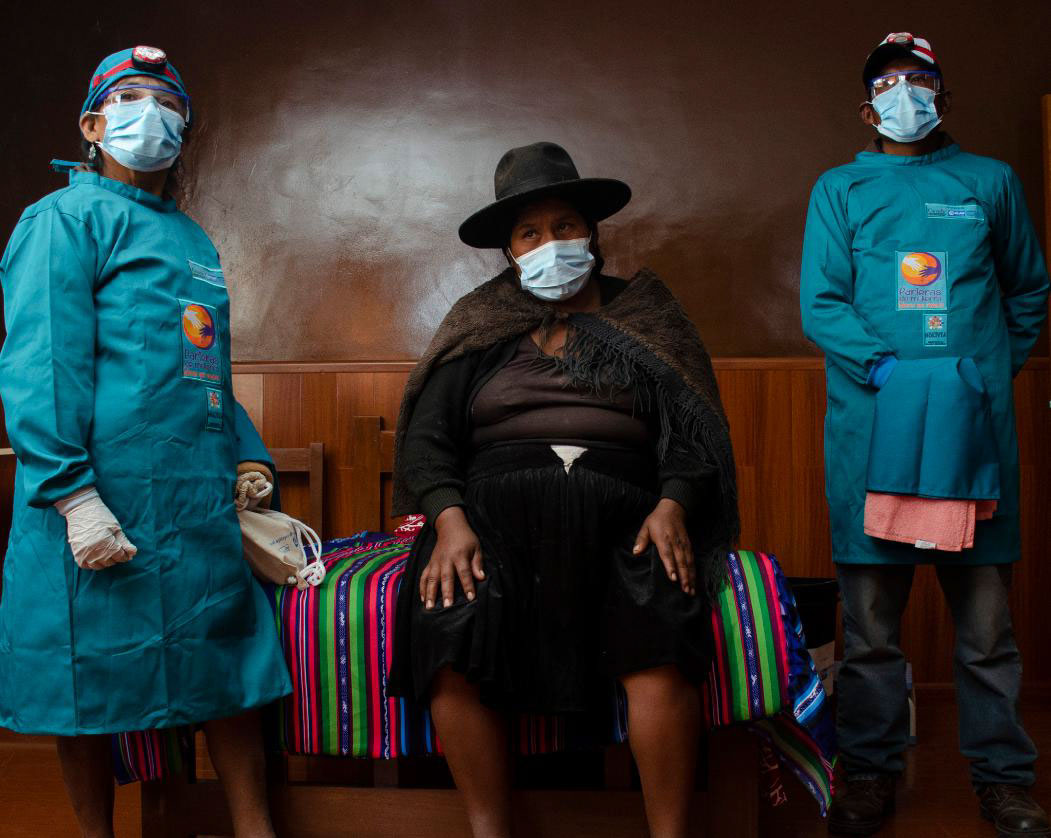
[920, 47]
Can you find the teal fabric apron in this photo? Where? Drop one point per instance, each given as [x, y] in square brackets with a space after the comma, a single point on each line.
[933, 434]
[919, 257]
[116, 373]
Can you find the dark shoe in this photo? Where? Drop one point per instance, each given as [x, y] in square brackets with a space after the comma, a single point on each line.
[862, 805]
[1012, 811]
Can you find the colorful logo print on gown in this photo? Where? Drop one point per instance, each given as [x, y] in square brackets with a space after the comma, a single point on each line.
[936, 330]
[201, 359]
[214, 421]
[198, 326]
[921, 280]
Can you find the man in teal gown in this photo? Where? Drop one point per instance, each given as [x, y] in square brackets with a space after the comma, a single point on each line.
[914, 251]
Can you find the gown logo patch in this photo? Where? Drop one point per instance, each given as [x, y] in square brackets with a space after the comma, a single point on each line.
[936, 330]
[213, 276]
[956, 212]
[201, 359]
[922, 283]
[214, 399]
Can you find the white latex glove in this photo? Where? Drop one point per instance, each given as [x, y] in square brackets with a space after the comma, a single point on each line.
[95, 537]
[251, 488]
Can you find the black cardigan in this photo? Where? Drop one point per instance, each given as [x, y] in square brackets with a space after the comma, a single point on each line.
[437, 443]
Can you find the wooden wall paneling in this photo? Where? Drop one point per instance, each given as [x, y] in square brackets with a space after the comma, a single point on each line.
[776, 492]
[321, 424]
[248, 390]
[356, 396]
[739, 395]
[1032, 578]
[367, 507]
[810, 537]
[281, 426]
[389, 387]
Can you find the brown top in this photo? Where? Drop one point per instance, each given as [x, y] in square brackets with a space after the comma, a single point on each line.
[528, 398]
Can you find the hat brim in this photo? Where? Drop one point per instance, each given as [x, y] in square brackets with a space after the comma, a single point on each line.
[595, 198]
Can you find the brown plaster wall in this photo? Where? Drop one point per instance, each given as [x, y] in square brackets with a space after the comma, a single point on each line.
[341, 143]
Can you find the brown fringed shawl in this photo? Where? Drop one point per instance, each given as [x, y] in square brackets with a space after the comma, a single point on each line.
[641, 335]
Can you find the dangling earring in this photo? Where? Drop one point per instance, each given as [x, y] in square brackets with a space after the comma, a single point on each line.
[92, 153]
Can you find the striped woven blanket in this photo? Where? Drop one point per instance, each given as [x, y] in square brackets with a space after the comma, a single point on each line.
[762, 674]
[337, 643]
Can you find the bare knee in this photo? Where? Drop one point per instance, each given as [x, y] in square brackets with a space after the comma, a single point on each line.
[661, 686]
[450, 684]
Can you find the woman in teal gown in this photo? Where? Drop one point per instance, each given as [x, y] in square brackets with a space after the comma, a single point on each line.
[115, 378]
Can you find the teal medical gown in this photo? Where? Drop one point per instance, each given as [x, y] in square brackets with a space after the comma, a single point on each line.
[920, 257]
[116, 373]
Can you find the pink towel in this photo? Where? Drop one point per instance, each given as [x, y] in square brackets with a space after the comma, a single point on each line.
[927, 523]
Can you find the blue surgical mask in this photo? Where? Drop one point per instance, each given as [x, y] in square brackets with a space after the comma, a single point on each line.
[907, 113]
[557, 270]
[142, 135]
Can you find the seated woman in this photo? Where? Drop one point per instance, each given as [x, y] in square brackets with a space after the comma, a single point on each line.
[564, 436]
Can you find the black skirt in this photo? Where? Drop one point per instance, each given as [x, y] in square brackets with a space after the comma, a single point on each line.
[565, 607]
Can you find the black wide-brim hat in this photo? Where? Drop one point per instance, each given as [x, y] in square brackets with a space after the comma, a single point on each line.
[536, 171]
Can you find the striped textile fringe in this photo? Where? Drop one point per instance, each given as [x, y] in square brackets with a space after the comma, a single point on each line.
[147, 754]
[762, 675]
[337, 643]
[749, 675]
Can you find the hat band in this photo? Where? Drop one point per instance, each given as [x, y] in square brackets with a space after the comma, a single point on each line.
[534, 184]
[124, 65]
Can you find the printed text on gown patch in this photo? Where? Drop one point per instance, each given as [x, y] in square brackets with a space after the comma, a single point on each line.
[213, 276]
[922, 283]
[956, 212]
[201, 358]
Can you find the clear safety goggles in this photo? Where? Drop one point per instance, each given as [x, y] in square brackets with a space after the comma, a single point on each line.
[165, 97]
[917, 78]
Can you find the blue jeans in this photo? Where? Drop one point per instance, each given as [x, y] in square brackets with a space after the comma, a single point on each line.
[872, 717]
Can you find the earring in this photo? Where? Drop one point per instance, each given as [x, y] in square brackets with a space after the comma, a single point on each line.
[91, 154]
